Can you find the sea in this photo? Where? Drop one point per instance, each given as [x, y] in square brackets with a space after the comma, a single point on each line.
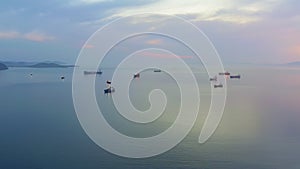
[39, 128]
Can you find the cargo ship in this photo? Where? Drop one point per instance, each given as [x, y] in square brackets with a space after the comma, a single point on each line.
[224, 73]
[213, 78]
[218, 85]
[109, 90]
[92, 72]
[235, 77]
[136, 75]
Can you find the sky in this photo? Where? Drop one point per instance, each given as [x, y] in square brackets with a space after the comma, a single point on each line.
[242, 31]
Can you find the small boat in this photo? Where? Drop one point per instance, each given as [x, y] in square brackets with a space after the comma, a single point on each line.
[224, 73]
[157, 70]
[62, 77]
[136, 75]
[109, 90]
[213, 78]
[235, 77]
[92, 72]
[218, 85]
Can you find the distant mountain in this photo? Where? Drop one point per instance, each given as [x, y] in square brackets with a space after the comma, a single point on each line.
[18, 64]
[46, 64]
[49, 65]
[3, 66]
[293, 64]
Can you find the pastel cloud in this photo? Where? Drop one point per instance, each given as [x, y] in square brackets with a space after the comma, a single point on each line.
[87, 2]
[295, 50]
[154, 42]
[164, 55]
[88, 46]
[257, 31]
[32, 36]
[9, 35]
[227, 10]
[37, 36]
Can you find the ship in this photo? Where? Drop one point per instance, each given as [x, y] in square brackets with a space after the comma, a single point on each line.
[218, 85]
[224, 73]
[136, 75]
[92, 72]
[213, 78]
[109, 90]
[157, 70]
[235, 76]
[108, 82]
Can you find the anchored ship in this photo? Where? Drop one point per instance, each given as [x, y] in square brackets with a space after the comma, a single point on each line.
[224, 73]
[218, 85]
[92, 72]
[136, 75]
[235, 76]
[213, 78]
[109, 88]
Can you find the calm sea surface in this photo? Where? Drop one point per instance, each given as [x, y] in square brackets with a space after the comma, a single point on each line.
[260, 128]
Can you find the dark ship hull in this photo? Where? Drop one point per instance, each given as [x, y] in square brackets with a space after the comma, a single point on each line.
[213, 79]
[92, 73]
[235, 77]
[136, 75]
[224, 73]
[109, 90]
[218, 86]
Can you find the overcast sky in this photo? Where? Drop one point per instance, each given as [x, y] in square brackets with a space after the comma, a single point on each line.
[243, 31]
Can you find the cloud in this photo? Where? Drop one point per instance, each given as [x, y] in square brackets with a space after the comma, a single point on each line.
[88, 46]
[32, 36]
[164, 55]
[288, 43]
[154, 42]
[242, 31]
[9, 34]
[295, 50]
[87, 2]
[227, 10]
[37, 36]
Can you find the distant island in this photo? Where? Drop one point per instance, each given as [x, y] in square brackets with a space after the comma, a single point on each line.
[18, 64]
[49, 65]
[3, 66]
[293, 64]
[46, 64]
